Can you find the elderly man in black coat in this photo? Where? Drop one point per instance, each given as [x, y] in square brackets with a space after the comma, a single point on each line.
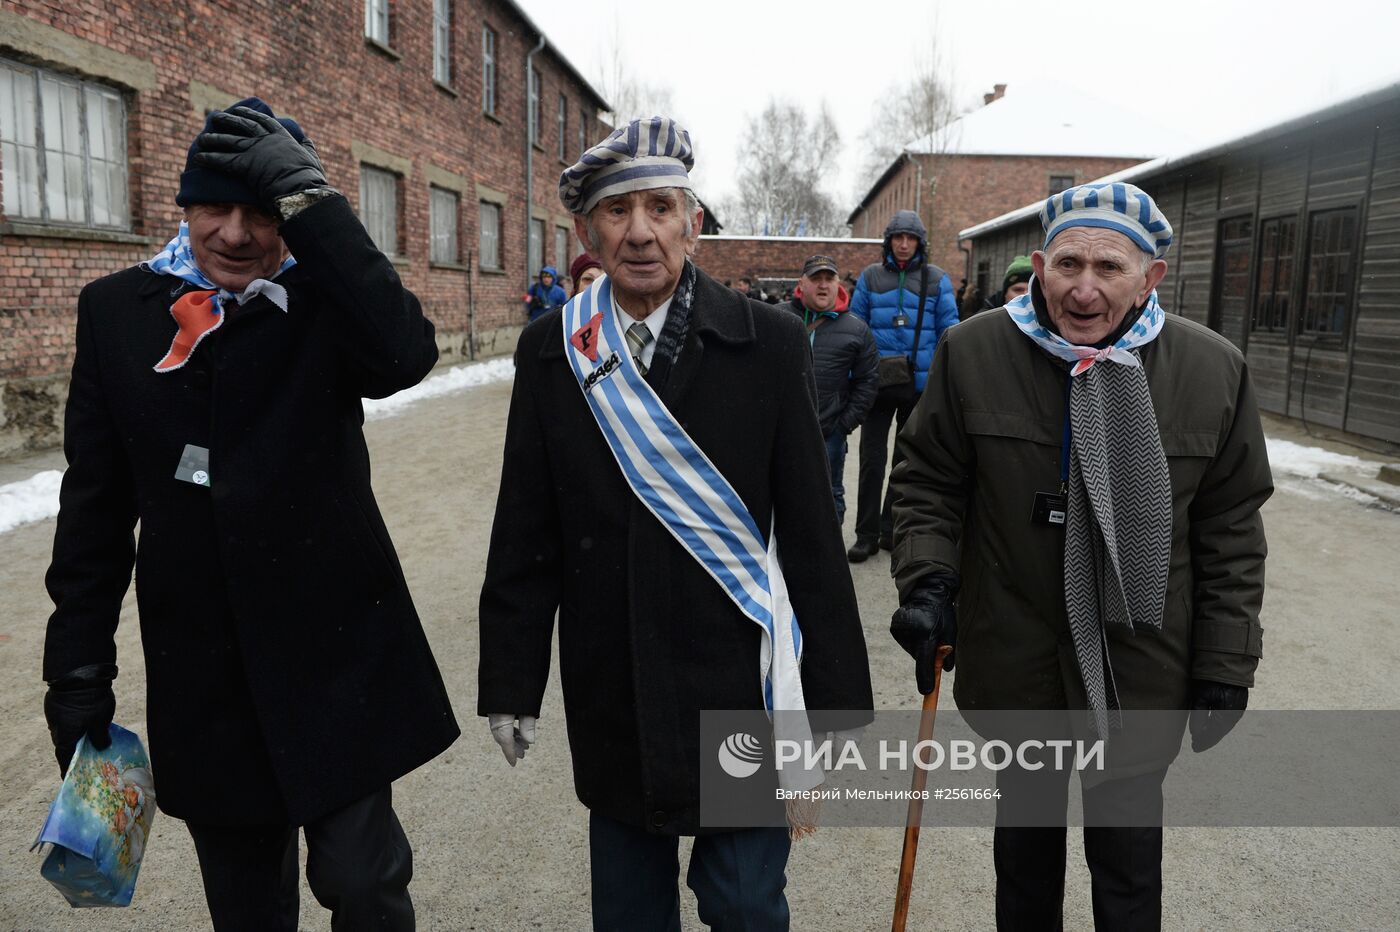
[648, 638]
[215, 399]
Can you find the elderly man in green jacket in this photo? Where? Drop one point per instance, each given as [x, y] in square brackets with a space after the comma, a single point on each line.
[1082, 480]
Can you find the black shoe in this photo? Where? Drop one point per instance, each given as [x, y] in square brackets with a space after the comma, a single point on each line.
[886, 541]
[862, 550]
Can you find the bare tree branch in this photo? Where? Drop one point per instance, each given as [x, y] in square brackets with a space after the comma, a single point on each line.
[786, 157]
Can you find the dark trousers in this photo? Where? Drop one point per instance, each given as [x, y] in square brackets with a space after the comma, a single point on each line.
[836, 459]
[874, 521]
[1125, 863]
[358, 865]
[738, 879]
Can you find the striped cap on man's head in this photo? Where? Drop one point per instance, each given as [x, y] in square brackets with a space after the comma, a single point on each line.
[642, 155]
[1118, 206]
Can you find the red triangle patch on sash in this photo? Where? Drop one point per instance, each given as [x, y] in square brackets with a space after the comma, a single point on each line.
[197, 313]
[585, 339]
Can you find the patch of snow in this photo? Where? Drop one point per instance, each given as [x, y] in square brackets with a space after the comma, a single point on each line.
[1294, 459]
[32, 499]
[453, 380]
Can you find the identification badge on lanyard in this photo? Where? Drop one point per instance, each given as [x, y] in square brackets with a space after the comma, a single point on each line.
[900, 320]
[1049, 508]
[194, 466]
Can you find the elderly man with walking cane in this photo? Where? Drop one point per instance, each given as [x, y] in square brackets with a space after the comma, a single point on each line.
[1081, 483]
[665, 490]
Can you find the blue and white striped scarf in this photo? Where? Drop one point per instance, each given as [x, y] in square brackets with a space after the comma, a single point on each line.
[679, 484]
[177, 259]
[1143, 331]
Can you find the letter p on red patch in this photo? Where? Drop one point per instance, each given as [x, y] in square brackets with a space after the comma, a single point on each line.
[585, 339]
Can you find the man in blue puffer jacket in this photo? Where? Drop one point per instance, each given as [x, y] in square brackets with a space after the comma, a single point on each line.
[887, 298]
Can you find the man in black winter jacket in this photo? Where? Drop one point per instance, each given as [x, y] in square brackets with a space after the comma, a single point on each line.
[844, 361]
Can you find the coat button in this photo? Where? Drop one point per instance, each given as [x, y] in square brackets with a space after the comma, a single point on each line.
[658, 818]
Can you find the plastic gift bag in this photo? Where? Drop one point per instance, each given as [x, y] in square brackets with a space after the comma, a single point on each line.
[99, 822]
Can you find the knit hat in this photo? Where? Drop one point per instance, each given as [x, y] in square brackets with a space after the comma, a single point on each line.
[1122, 207]
[1020, 270]
[582, 263]
[202, 185]
[640, 156]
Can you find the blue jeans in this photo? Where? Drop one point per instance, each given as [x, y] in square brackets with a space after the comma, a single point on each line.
[836, 456]
[738, 878]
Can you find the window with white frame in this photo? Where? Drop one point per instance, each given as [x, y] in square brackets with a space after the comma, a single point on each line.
[442, 222]
[563, 128]
[377, 20]
[534, 111]
[561, 249]
[536, 246]
[442, 41]
[379, 207]
[488, 70]
[490, 235]
[62, 149]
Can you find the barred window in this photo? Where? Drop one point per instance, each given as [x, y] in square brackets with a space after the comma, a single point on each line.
[1273, 281]
[1060, 183]
[379, 208]
[536, 246]
[582, 131]
[442, 41]
[442, 216]
[563, 128]
[490, 235]
[561, 249]
[377, 20]
[488, 70]
[62, 148]
[534, 106]
[1331, 271]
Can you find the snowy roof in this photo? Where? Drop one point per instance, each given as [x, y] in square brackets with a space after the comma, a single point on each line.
[1052, 120]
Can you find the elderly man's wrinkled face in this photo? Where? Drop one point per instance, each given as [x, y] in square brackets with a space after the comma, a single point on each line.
[235, 244]
[1092, 278]
[904, 245]
[819, 290]
[641, 239]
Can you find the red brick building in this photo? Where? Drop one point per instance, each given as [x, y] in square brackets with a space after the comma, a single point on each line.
[1013, 149]
[777, 260]
[421, 111]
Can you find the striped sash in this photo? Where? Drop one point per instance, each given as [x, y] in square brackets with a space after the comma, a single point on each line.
[678, 484]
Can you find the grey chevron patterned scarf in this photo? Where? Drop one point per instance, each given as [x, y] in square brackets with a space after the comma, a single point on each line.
[1118, 524]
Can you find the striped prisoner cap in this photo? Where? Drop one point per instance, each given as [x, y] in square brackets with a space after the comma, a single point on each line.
[642, 155]
[1118, 206]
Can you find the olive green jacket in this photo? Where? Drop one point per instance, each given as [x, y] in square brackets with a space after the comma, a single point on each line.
[986, 436]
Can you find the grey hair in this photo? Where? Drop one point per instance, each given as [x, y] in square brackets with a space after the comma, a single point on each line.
[692, 204]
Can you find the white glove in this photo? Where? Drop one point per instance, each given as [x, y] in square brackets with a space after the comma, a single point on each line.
[514, 741]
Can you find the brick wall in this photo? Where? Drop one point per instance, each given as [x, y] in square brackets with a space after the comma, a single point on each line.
[781, 257]
[960, 191]
[362, 103]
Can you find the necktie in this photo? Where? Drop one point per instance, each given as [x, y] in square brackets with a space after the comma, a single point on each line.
[638, 336]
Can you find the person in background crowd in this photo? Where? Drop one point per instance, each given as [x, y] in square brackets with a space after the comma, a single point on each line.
[843, 359]
[1124, 574]
[745, 287]
[1016, 283]
[289, 682]
[908, 303]
[545, 294]
[652, 620]
[584, 271]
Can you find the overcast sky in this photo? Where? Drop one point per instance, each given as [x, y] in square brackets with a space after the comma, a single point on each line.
[1212, 69]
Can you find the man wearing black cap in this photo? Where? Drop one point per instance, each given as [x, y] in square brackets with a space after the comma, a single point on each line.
[215, 399]
[844, 362]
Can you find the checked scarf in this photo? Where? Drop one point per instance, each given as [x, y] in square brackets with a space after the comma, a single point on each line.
[1119, 519]
[199, 313]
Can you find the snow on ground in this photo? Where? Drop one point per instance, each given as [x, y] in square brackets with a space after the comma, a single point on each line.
[36, 498]
[1294, 459]
[453, 380]
[32, 499]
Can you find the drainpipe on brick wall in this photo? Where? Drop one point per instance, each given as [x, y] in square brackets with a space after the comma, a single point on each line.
[530, 163]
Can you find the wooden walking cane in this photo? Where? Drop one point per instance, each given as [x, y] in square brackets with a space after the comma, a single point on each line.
[916, 804]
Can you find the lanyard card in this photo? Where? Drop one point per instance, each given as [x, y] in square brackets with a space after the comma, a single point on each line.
[194, 465]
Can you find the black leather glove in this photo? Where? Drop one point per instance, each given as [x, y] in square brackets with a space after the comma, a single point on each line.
[924, 621]
[1215, 709]
[80, 703]
[257, 148]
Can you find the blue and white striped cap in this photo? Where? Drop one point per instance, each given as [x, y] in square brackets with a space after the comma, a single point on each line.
[1118, 206]
[642, 155]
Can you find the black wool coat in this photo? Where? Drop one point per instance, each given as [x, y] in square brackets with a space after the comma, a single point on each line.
[287, 671]
[845, 363]
[646, 638]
